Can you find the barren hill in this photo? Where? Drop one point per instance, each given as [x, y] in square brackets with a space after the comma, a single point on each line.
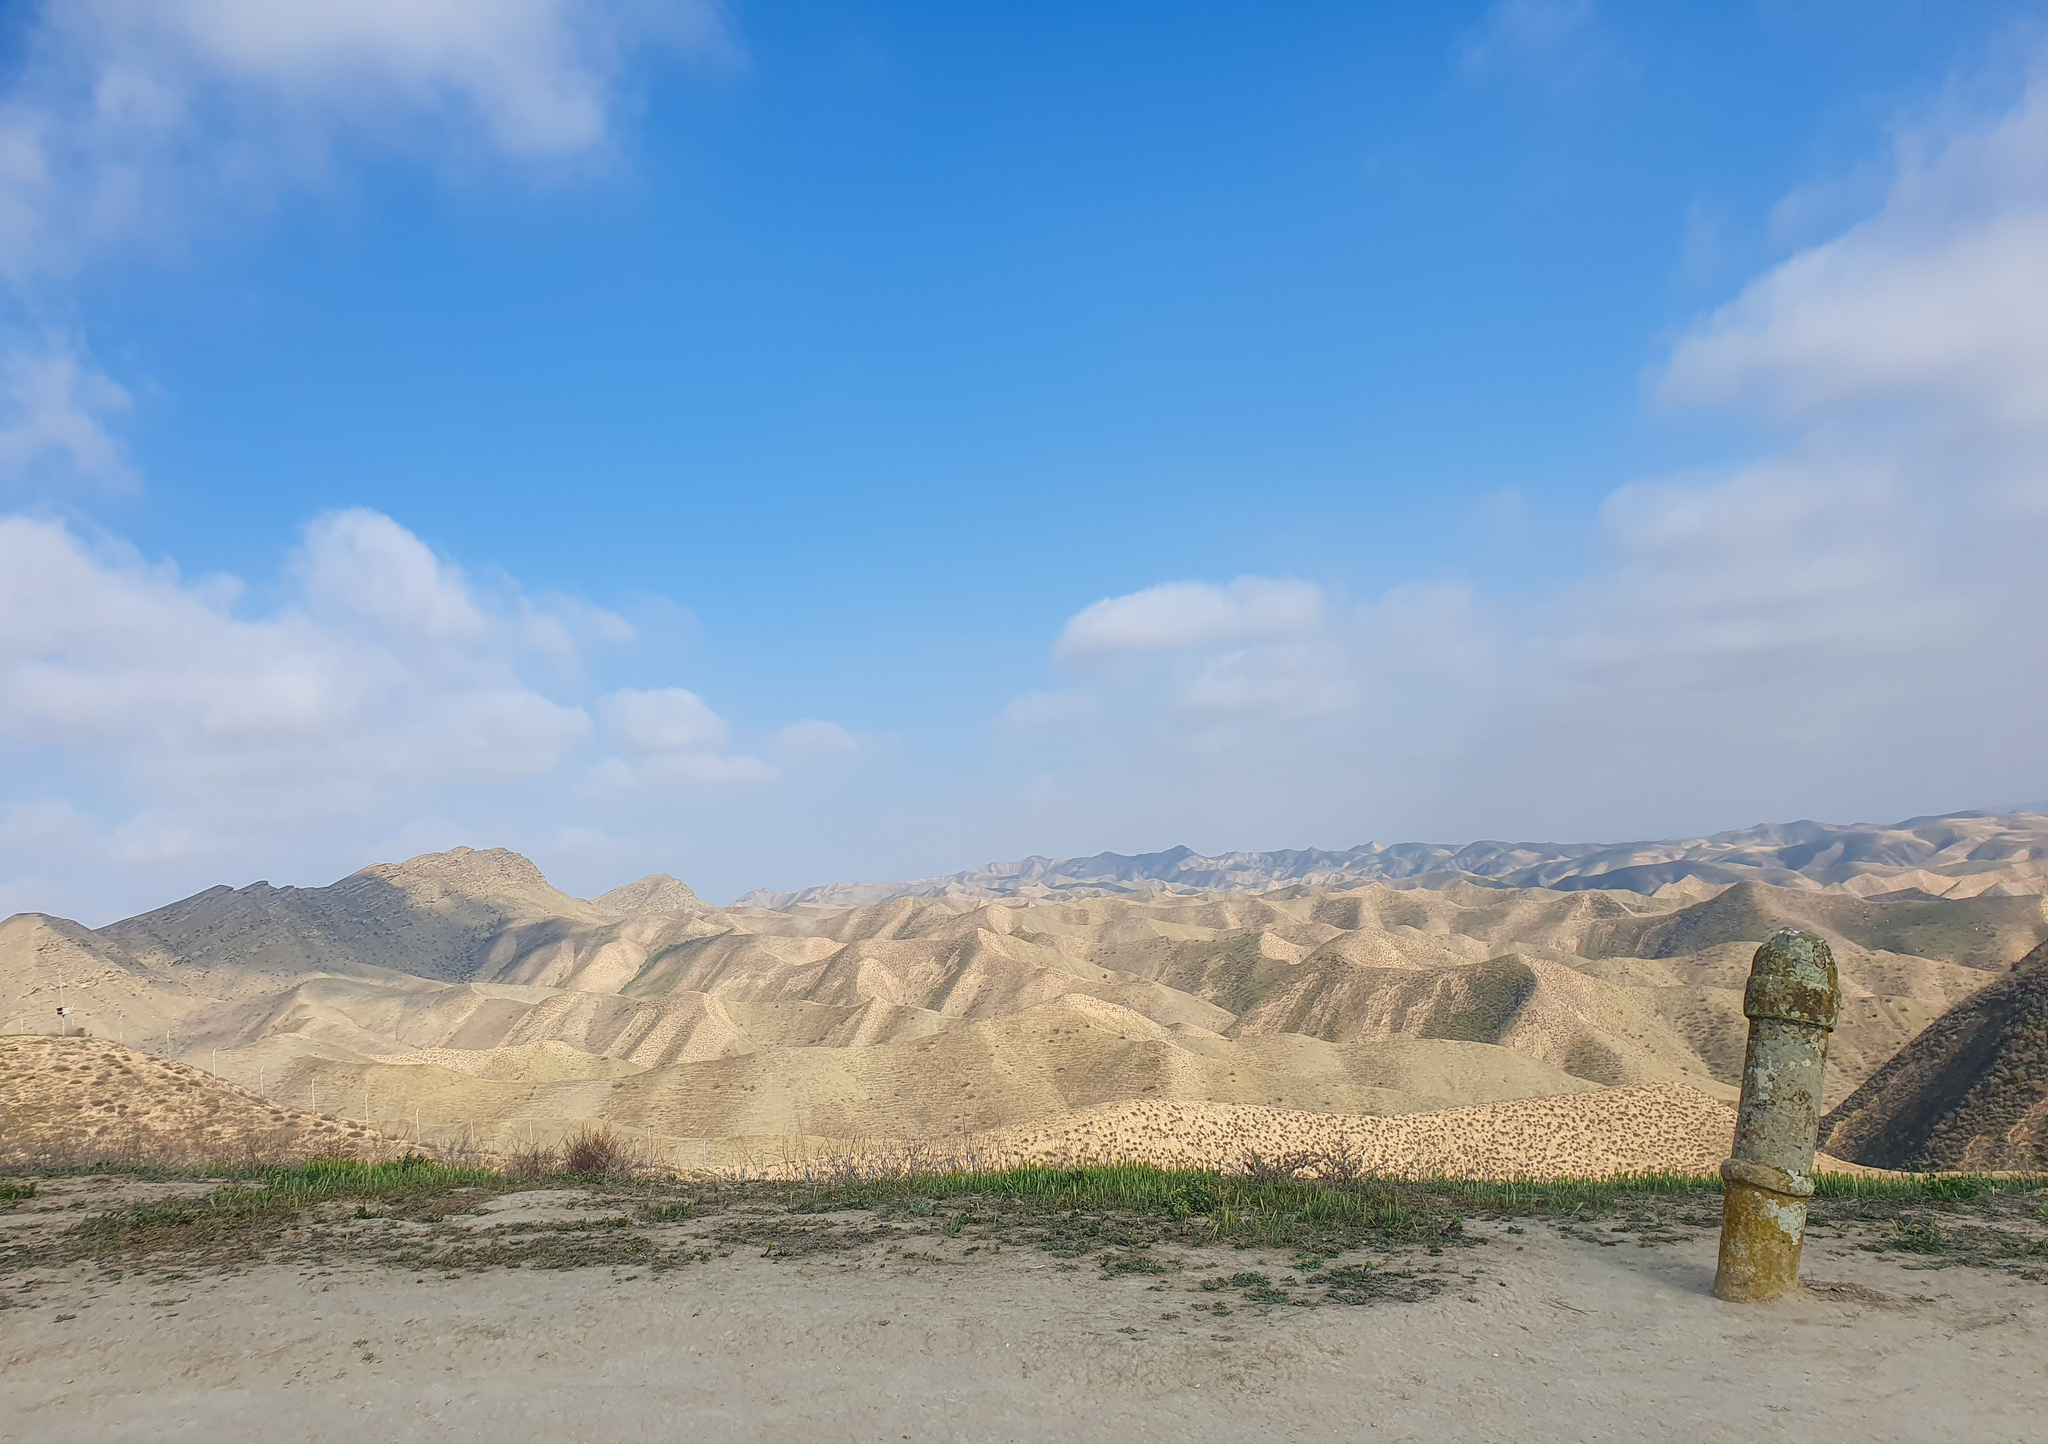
[1969, 1092]
[89, 1100]
[461, 991]
[1956, 855]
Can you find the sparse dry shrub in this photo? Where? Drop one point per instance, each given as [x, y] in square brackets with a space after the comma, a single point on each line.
[533, 1161]
[1277, 1167]
[1339, 1161]
[594, 1153]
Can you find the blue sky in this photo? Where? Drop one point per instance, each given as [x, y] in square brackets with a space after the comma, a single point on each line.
[784, 444]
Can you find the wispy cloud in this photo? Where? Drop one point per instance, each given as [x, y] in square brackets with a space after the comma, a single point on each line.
[1557, 43]
[672, 719]
[669, 737]
[54, 413]
[132, 119]
[1191, 614]
[812, 740]
[140, 126]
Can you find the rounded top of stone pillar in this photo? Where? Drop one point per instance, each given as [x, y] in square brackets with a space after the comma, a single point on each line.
[1792, 979]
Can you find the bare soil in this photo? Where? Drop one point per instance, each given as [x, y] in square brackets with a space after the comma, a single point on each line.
[620, 1312]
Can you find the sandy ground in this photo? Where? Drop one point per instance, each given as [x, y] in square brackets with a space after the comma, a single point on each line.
[1542, 1336]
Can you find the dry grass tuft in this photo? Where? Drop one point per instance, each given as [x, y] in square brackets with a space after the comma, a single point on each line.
[595, 1153]
[533, 1161]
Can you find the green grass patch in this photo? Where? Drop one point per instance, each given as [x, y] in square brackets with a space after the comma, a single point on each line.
[1231, 1203]
[1082, 1210]
[240, 1209]
[1916, 1236]
[13, 1193]
[327, 1178]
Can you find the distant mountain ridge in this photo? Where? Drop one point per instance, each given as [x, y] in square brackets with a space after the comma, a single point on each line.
[1960, 854]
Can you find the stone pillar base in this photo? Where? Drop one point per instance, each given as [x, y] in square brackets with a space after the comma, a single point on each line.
[1762, 1230]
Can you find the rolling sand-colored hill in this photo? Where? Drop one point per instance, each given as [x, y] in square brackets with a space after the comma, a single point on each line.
[88, 1099]
[461, 991]
[1971, 1091]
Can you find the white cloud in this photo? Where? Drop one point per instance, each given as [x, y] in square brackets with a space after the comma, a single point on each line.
[209, 723]
[1937, 301]
[1177, 615]
[363, 564]
[669, 720]
[1262, 648]
[813, 741]
[131, 119]
[158, 730]
[53, 412]
[560, 626]
[673, 739]
[537, 74]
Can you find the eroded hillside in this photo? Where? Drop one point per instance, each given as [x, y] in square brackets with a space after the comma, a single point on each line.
[460, 990]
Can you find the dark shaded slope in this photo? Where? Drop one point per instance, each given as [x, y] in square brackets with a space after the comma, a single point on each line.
[1971, 1091]
[1342, 1003]
[1978, 932]
[441, 916]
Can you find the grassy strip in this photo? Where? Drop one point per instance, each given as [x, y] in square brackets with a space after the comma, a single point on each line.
[278, 1195]
[1067, 1211]
[353, 1178]
[1127, 1206]
[1373, 1202]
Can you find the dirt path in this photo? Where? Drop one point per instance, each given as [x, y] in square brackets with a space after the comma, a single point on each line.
[1538, 1336]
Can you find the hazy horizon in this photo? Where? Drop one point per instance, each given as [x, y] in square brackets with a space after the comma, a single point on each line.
[1602, 845]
